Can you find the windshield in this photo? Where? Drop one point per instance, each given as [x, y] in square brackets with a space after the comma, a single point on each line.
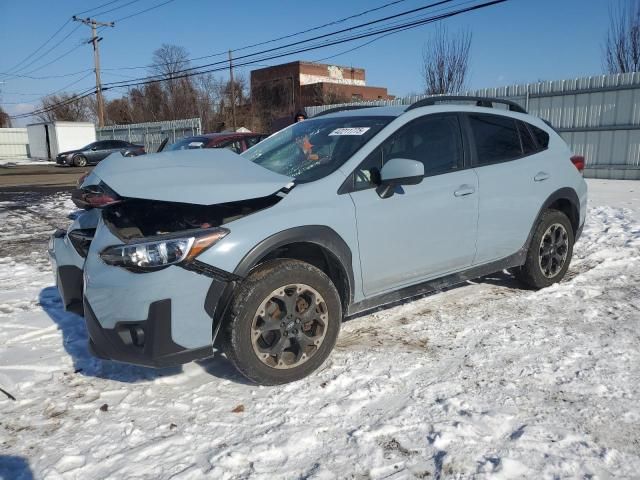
[313, 149]
[188, 143]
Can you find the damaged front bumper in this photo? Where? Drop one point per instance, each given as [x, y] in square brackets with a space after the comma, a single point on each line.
[67, 267]
[158, 318]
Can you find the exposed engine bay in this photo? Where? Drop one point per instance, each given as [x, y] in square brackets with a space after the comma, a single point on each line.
[136, 218]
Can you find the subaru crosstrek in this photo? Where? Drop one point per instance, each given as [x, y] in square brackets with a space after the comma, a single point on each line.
[261, 255]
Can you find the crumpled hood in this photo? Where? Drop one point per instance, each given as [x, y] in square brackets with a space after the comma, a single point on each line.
[204, 177]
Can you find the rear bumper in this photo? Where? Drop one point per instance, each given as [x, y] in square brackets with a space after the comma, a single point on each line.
[148, 342]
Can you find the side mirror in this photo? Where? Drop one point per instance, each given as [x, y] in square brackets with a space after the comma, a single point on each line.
[399, 171]
[94, 149]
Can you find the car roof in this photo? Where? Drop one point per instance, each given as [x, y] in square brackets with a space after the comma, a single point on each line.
[229, 135]
[386, 111]
[398, 110]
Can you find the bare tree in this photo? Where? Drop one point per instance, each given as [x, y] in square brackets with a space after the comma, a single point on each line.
[622, 45]
[168, 62]
[445, 61]
[65, 107]
[5, 121]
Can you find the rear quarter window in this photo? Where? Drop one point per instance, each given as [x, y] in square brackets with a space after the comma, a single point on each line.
[542, 137]
[496, 138]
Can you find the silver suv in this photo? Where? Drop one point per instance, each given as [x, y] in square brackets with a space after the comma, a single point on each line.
[263, 254]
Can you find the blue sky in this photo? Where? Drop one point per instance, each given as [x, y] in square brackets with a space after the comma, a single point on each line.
[515, 42]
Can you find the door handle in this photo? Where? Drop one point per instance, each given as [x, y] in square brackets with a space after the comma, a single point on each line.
[541, 176]
[464, 190]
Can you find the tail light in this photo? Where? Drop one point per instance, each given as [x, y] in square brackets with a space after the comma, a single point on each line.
[94, 196]
[578, 162]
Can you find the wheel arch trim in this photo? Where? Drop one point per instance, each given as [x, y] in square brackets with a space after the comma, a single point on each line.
[565, 193]
[324, 237]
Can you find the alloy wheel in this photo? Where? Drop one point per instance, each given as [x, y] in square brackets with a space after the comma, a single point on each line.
[554, 248]
[289, 326]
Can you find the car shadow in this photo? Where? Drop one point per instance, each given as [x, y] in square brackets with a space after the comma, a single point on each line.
[15, 468]
[76, 341]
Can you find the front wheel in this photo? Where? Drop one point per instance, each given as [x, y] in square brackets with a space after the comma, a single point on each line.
[79, 161]
[283, 322]
[550, 251]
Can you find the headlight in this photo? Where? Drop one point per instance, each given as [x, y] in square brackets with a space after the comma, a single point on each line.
[160, 253]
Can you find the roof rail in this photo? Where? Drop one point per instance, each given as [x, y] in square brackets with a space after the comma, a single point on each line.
[340, 109]
[480, 102]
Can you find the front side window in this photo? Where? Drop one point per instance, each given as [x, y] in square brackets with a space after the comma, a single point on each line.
[496, 138]
[313, 149]
[434, 140]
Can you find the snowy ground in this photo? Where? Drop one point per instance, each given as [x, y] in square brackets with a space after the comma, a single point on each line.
[482, 381]
[15, 161]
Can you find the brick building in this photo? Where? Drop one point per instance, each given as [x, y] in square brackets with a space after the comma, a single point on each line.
[278, 92]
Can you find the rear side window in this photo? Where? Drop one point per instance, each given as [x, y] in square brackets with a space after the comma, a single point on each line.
[496, 137]
[528, 143]
[541, 136]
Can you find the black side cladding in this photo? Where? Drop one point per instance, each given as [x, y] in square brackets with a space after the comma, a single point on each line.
[153, 346]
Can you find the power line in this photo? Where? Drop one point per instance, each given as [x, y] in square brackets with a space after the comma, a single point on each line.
[114, 8]
[14, 71]
[37, 49]
[299, 42]
[291, 35]
[143, 11]
[46, 77]
[160, 77]
[71, 50]
[21, 69]
[381, 31]
[96, 8]
[405, 26]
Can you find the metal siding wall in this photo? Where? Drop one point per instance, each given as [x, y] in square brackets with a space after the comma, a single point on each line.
[599, 117]
[14, 143]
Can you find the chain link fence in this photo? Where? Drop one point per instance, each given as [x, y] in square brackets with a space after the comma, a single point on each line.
[151, 134]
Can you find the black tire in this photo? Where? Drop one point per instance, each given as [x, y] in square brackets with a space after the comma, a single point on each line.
[79, 161]
[536, 272]
[249, 300]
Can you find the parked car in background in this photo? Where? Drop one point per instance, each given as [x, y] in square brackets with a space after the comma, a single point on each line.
[96, 151]
[234, 141]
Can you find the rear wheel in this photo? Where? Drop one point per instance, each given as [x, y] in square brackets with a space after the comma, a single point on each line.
[283, 323]
[550, 251]
[79, 161]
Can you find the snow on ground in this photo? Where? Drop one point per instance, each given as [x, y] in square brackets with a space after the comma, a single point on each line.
[14, 161]
[482, 381]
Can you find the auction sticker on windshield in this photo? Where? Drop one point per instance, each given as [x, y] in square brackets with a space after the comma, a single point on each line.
[350, 131]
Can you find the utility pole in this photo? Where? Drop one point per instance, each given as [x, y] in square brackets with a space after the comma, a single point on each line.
[233, 92]
[93, 23]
